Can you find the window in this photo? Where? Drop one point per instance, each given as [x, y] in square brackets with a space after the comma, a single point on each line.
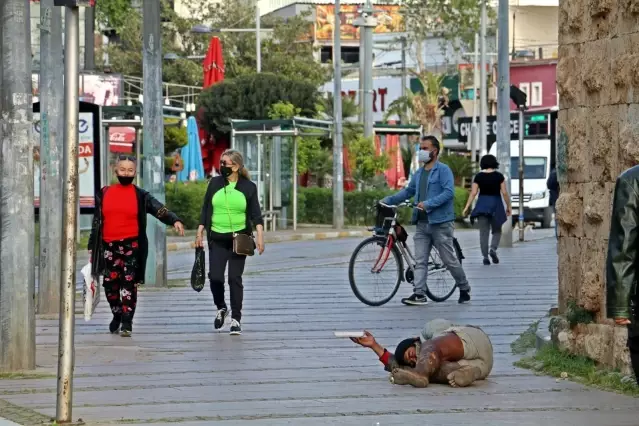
[525, 87]
[534, 167]
[536, 97]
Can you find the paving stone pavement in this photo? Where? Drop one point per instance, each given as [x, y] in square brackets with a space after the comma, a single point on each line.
[288, 369]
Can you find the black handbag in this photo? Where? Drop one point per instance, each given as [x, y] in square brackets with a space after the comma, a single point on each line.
[198, 274]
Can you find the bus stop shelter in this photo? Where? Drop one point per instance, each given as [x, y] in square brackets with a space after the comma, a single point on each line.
[270, 149]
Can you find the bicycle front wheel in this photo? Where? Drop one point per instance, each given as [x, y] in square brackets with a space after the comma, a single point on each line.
[375, 271]
[441, 284]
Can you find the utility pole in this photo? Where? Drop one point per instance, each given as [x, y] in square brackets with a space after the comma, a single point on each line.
[66, 349]
[483, 105]
[475, 134]
[521, 172]
[51, 149]
[258, 39]
[17, 265]
[338, 143]
[404, 82]
[366, 21]
[89, 39]
[503, 110]
[153, 144]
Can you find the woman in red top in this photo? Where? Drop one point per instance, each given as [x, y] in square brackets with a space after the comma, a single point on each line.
[118, 244]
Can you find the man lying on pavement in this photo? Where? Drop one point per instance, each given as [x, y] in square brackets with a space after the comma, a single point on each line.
[444, 353]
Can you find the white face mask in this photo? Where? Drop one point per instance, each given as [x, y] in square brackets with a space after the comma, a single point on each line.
[423, 156]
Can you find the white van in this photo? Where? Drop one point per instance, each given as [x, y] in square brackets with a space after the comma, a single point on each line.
[537, 158]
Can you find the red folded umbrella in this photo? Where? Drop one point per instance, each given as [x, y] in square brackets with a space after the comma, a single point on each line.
[213, 65]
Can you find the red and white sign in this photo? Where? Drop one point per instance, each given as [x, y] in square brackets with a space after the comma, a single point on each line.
[121, 139]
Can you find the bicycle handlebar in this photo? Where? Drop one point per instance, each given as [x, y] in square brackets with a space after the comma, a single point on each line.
[402, 204]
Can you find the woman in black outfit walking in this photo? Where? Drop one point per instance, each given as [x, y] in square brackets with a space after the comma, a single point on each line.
[230, 207]
[489, 210]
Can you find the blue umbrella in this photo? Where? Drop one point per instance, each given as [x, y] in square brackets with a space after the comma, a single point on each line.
[192, 155]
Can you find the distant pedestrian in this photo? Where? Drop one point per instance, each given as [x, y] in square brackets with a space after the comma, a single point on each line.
[231, 206]
[621, 264]
[118, 244]
[553, 188]
[489, 210]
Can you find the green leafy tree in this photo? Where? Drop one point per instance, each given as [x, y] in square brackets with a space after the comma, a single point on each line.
[365, 161]
[288, 50]
[454, 21]
[125, 55]
[250, 97]
[311, 156]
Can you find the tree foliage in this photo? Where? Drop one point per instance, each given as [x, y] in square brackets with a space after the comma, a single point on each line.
[250, 97]
[287, 50]
[455, 21]
[365, 161]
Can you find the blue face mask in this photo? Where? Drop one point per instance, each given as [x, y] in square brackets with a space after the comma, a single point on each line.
[423, 156]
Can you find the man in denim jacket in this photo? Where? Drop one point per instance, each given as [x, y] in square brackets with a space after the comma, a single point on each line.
[433, 188]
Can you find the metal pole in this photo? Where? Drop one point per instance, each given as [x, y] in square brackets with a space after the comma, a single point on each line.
[66, 350]
[295, 177]
[17, 263]
[503, 110]
[483, 105]
[474, 130]
[104, 155]
[368, 68]
[51, 149]
[258, 39]
[153, 140]
[338, 155]
[403, 92]
[139, 138]
[89, 38]
[362, 76]
[521, 174]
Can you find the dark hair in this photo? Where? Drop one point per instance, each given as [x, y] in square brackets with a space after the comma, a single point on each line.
[127, 158]
[488, 162]
[434, 141]
[402, 347]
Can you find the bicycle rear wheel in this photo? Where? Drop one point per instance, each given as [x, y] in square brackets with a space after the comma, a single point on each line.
[375, 272]
[441, 284]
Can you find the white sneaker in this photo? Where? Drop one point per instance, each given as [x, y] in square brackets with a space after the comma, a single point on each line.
[236, 328]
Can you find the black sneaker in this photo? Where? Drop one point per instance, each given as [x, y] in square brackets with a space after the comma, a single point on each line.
[494, 257]
[415, 300]
[464, 296]
[486, 261]
[127, 329]
[114, 327]
[236, 328]
[220, 318]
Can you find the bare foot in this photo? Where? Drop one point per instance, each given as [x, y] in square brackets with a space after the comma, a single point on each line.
[463, 377]
[405, 377]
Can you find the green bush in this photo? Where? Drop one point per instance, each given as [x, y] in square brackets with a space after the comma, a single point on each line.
[185, 200]
[314, 205]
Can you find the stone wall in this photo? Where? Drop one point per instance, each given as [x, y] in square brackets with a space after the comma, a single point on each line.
[598, 138]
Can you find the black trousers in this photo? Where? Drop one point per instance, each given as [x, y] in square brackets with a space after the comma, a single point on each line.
[633, 346]
[221, 254]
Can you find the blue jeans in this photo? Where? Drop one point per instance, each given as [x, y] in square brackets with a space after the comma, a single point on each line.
[441, 237]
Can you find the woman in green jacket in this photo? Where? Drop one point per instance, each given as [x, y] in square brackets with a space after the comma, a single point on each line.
[231, 206]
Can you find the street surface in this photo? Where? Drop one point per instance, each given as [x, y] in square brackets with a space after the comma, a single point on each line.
[288, 369]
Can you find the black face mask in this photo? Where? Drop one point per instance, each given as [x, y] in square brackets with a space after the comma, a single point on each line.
[226, 171]
[125, 180]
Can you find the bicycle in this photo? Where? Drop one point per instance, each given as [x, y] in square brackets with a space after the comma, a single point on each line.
[389, 242]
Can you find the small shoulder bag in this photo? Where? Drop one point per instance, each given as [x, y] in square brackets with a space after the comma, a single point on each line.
[243, 244]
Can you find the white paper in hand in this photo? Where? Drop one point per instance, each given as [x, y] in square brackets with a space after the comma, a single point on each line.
[355, 334]
[91, 292]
